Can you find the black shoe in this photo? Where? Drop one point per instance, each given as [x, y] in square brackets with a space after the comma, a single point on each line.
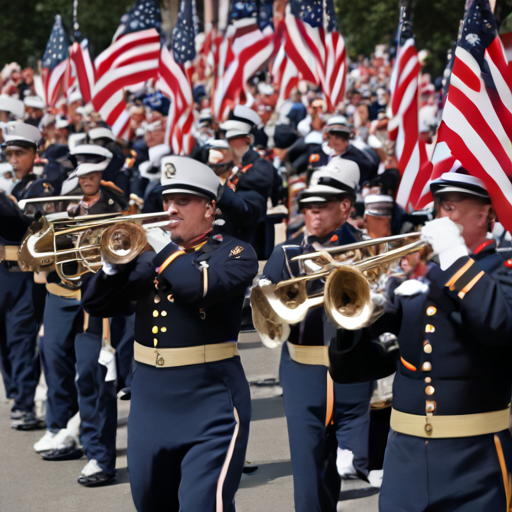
[69, 453]
[125, 394]
[96, 479]
[16, 414]
[249, 468]
[29, 421]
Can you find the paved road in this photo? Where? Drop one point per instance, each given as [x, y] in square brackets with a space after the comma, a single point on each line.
[29, 484]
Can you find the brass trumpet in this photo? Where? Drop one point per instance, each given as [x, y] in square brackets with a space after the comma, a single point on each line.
[74, 246]
[347, 295]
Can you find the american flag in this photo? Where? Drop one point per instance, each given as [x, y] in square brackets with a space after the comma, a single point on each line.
[54, 64]
[248, 43]
[84, 68]
[316, 47]
[175, 81]
[404, 125]
[476, 127]
[285, 74]
[132, 59]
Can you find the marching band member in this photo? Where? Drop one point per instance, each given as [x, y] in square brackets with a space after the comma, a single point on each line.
[321, 416]
[190, 402]
[18, 341]
[243, 199]
[451, 395]
[72, 345]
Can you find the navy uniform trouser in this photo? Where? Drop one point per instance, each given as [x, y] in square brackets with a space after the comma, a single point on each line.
[97, 399]
[466, 474]
[313, 445]
[63, 320]
[187, 436]
[18, 337]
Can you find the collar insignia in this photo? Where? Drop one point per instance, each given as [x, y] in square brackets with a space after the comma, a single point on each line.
[236, 251]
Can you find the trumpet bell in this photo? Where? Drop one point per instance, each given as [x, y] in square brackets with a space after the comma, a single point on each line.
[272, 331]
[347, 299]
[122, 242]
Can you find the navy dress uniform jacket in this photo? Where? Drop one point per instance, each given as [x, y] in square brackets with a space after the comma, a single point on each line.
[317, 425]
[243, 208]
[188, 425]
[455, 350]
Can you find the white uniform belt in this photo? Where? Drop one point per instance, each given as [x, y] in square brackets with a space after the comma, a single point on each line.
[184, 356]
[309, 354]
[463, 425]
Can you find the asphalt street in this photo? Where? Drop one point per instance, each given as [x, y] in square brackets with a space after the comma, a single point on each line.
[29, 484]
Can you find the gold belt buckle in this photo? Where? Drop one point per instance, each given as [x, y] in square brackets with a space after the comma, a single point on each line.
[160, 361]
[429, 428]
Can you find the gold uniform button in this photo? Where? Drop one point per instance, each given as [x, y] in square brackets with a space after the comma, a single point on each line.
[428, 380]
[155, 313]
[426, 367]
[431, 311]
[170, 298]
[164, 329]
[429, 390]
[154, 330]
[427, 348]
[164, 313]
[430, 406]
[430, 328]
[157, 299]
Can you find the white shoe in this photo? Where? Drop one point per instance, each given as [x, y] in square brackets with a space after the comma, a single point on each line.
[45, 444]
[91, 468]
[345, 463]
[64, 439]
[375, 477]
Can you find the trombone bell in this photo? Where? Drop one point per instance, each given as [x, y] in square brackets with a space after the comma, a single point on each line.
[272, 331]
[348, 302]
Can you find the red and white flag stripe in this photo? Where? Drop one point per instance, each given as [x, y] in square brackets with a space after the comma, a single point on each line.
[404, 127]
[477, 126]
[52, 83]
[85, 71]
[132, 59]
[174, 82]
[285, 74]
[246, 49]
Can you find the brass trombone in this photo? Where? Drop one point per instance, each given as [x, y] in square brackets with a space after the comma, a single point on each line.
[74, 246]
[347, 295]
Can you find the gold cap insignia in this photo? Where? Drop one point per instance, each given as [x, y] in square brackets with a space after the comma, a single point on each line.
[170, 170]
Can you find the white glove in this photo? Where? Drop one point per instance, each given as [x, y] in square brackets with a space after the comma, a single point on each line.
[411, 287]
[444, 236]
[109, 268]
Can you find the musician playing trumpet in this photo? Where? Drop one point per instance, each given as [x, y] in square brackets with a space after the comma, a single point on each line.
[451, 396]
[321, 415]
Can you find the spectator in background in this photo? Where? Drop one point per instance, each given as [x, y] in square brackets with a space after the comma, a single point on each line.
[381, 103]
[298, 111]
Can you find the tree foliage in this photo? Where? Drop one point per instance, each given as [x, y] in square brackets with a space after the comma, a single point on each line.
[25, 25]
[365, 23]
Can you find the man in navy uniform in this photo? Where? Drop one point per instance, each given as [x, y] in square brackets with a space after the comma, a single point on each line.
[190, 405]
[320, 415]
[72, 345]
[243, 199]
[20, 360]
[338, 133]
[451, 395]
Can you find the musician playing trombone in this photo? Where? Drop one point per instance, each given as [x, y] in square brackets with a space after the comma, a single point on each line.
[321, 415]
[190, 401]
[73, 344]
[451, 396]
